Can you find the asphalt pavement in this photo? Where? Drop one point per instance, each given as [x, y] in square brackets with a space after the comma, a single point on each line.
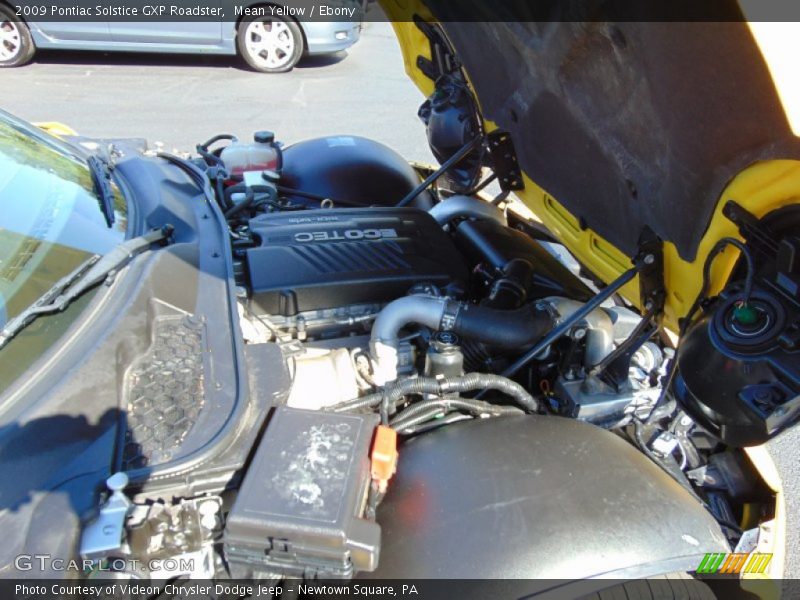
[182, 100]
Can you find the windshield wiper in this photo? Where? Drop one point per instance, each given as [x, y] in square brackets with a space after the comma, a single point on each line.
[92, 271]
[101, 179]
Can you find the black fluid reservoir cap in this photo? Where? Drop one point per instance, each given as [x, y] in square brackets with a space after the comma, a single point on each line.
[264, 137]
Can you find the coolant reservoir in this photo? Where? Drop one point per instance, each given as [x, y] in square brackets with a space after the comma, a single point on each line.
[263, 154]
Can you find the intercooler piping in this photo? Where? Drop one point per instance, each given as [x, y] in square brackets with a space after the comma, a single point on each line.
[600, 328]
[505, 329]
[465, 206]
[424, 310]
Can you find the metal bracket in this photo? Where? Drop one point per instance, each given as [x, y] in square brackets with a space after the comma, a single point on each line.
[104, 535]
[443, 60]
[652, 291]
[614, 368]
[504, 161]
[427, 67]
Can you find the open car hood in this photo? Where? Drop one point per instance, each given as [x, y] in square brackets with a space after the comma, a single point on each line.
[629, 125]
[621, 127]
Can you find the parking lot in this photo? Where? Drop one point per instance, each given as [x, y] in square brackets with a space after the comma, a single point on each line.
[183, 100]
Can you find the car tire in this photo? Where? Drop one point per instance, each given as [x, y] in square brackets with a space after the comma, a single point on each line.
[672, 586]
[270, 44]
[16, 44]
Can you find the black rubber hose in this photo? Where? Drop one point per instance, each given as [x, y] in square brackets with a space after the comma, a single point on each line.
[212, 158]
[431, 424]
[686, 321]
[250, 192]
[238, 188]
[220, 189]
[246, 203]
[431, 414]
[403, 422]
[715, 251]
[490, 381]
[562, 327]
[478, 407]
[504, 329]
[217, 138]
[392, 393]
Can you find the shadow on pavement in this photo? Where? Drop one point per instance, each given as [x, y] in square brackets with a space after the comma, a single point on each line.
[144, 59]
[321, 60]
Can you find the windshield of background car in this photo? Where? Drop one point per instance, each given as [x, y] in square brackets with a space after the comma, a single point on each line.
[50, 222]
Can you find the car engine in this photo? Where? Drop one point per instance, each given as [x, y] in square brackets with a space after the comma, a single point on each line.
[413, 321]
[369, 294]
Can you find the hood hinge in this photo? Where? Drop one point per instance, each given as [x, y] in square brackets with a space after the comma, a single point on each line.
[504, 161]
[652, 290]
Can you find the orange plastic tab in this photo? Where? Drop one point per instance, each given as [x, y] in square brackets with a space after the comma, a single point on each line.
[384, 456]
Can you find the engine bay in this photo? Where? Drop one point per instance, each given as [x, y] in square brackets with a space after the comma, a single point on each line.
[376, 306]
[431, 334]
[563, 359]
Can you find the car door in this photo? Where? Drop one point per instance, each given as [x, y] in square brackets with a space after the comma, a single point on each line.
[73, 32]
[168, 34]
[40, 19]
[152, 29]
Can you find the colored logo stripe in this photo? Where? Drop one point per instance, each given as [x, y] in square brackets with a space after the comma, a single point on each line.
[710, 563]
[734, 563]
[721, 562]
[758, 563]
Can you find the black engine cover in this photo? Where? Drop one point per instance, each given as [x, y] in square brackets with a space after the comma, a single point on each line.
[329, 258]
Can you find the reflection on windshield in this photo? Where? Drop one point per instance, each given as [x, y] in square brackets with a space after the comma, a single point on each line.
[50, 218]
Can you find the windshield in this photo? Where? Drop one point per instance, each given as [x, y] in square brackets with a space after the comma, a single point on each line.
[50, 221]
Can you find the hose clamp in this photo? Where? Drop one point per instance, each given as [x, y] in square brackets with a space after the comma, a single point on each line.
[449, 314]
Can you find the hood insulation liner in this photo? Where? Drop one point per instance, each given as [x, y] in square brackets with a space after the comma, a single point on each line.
[628, 124]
